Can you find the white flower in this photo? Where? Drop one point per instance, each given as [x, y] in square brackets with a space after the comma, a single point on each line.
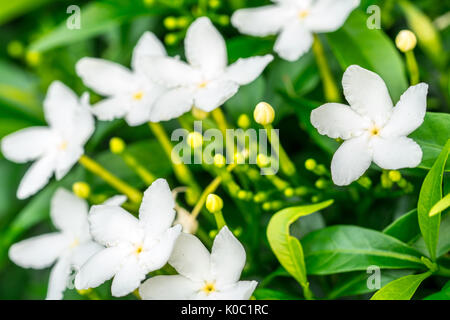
[206, 82]
[55, 149]
[134, 247]
[295, 21]
[70, 247]
[203, 275]
[130, 94]
[372, 128]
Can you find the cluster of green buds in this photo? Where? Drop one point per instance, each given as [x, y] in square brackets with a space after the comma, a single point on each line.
[391, 177]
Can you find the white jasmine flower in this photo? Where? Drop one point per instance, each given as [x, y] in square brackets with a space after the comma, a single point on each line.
[372, 128]
[129, 94]
[295, 21]
[203, 275]
[133, 247]
[69, 247]
[206, 82]
[55, 149]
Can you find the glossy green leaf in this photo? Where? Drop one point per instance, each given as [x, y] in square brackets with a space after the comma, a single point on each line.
[444, 294]
[349, 248]
[401, 289]
[11, 9]
[443, 245]
[405, 228]
[441, 205]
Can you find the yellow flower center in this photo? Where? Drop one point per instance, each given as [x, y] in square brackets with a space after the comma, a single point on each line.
[138, 249]
[203, 84]
[209, 288]
[302, 14]
[74, 243]
[63, 146]
[138, 95]
[374, 131]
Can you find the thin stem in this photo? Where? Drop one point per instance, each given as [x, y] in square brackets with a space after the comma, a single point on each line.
[286, 164]
[412, 66]
[220, 119]
[220, 221]
[330, 88]
[307, 292]
[133, 194]
[140, 170]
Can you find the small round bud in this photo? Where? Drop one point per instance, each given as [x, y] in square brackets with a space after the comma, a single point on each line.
[149, 3]
[116, 145]
[238, 231]
[212, 234]
[288, 192]
[223, 20]
[195, 139]
[33, 58]
[301, 191]
[214, 203]
[191, 195]
[243, 121]
[310, 164]
[239, 158]
[219, 160]
[199, 113]
[406, 40]
[170, 39]
[183, 22]
[315, 199]
[395, 175]
[260, 197]
[320, 170]
[214, 4]
[402, 183]
[266, 206]
[81, 189]
[264, 113]
[262, 160]
[15, 49]
[242, 194]
[170, 23]
[321, 184]
[386, 183]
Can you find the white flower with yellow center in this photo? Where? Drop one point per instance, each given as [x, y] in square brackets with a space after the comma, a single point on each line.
[206, 82]
[203, 275]
[129, 93]
[69, 247]
[56, 148]
[133, 247]
[372, 128]
[295, 21]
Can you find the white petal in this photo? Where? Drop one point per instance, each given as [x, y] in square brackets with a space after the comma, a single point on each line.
[174, 287]
[409, 112]
[170, 72]
[261, 21]
[128, 278]
[293, 41]
[244, 71]
[68, 212]
[111, 225]
[157, 210]
[100, 267]
[83, 252]
[240, 291]
[351, 160]
[205, 47]
[140, 111]
[329, 15]
[367, 94]
[111, 108]
[27, 144]
[36, 177]
[396, 153]
[104, 77]
[215, 94]
[227, 257]
[172, 104]
[148, 46]
[38, 252]
[190, 258]
[66, 159]
[115, 201]
[59, 277]
[338, 121]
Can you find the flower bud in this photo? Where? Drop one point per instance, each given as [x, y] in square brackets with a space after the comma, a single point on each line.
[321, 184]
[406, 40]
[214, 203]
[219, 160]
[170, 39]
[170, 23]
[310, 164]
[243, 121]
[116, 145]
[262, 160]
[264, 113]
[182, 22]
[288, 192]
[195, 139]
[33, 58]
[15, 49]
[81, 190]
[395, 175]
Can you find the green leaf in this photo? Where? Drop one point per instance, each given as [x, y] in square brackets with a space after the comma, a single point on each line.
[286, 248]
[430, 193]
[372, 49]
[246, 99]
[401, 289]
[405, 228]
[441, 205]
[432, 135]
[12, 9]
[443, 245]
[444, 294]
[349, 248]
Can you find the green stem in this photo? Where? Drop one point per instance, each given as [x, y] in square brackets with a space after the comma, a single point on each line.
[220, 221]
[140, 170]
[307, 292]
[330, 88]
[133, 194]
[220, 119]
[286, 164]
[413, 68]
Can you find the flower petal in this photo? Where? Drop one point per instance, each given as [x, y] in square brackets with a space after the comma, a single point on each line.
[111, 225]
[367, 94]
[227, 257]
[293, 41]
[147, 46]
[351, 160]
[157, 210]
[215, 94]
[105, 77]
[172, 104]
[118, 200]
[38, 252]
[205, 47]
[128, 278]
[36, 177]
[190, 258]
[329, 15]
[27, 144]
[396, 153]
[100, 267]
[66, 159]
[111, 108]
[59, 277]
[83, 252]
[409, 112]
[241, 290]
[174, 287]
[244, 71]
[261, 21]
[68, 212]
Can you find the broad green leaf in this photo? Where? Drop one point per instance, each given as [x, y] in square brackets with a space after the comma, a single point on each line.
[443, 245]
[405, 228]
[244, 47]
[246, 99]
[430, 193]
[286, 248]
[372, 49]
[432, 135]
[444, 294]
[349, 248]
[441, 205]
[12, 9]
[401, 289]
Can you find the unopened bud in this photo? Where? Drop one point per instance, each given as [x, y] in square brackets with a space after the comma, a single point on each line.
[214, 203]
[81, 190]
[264, 113]
[406, 40]
[195, 139]
[116, 145]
